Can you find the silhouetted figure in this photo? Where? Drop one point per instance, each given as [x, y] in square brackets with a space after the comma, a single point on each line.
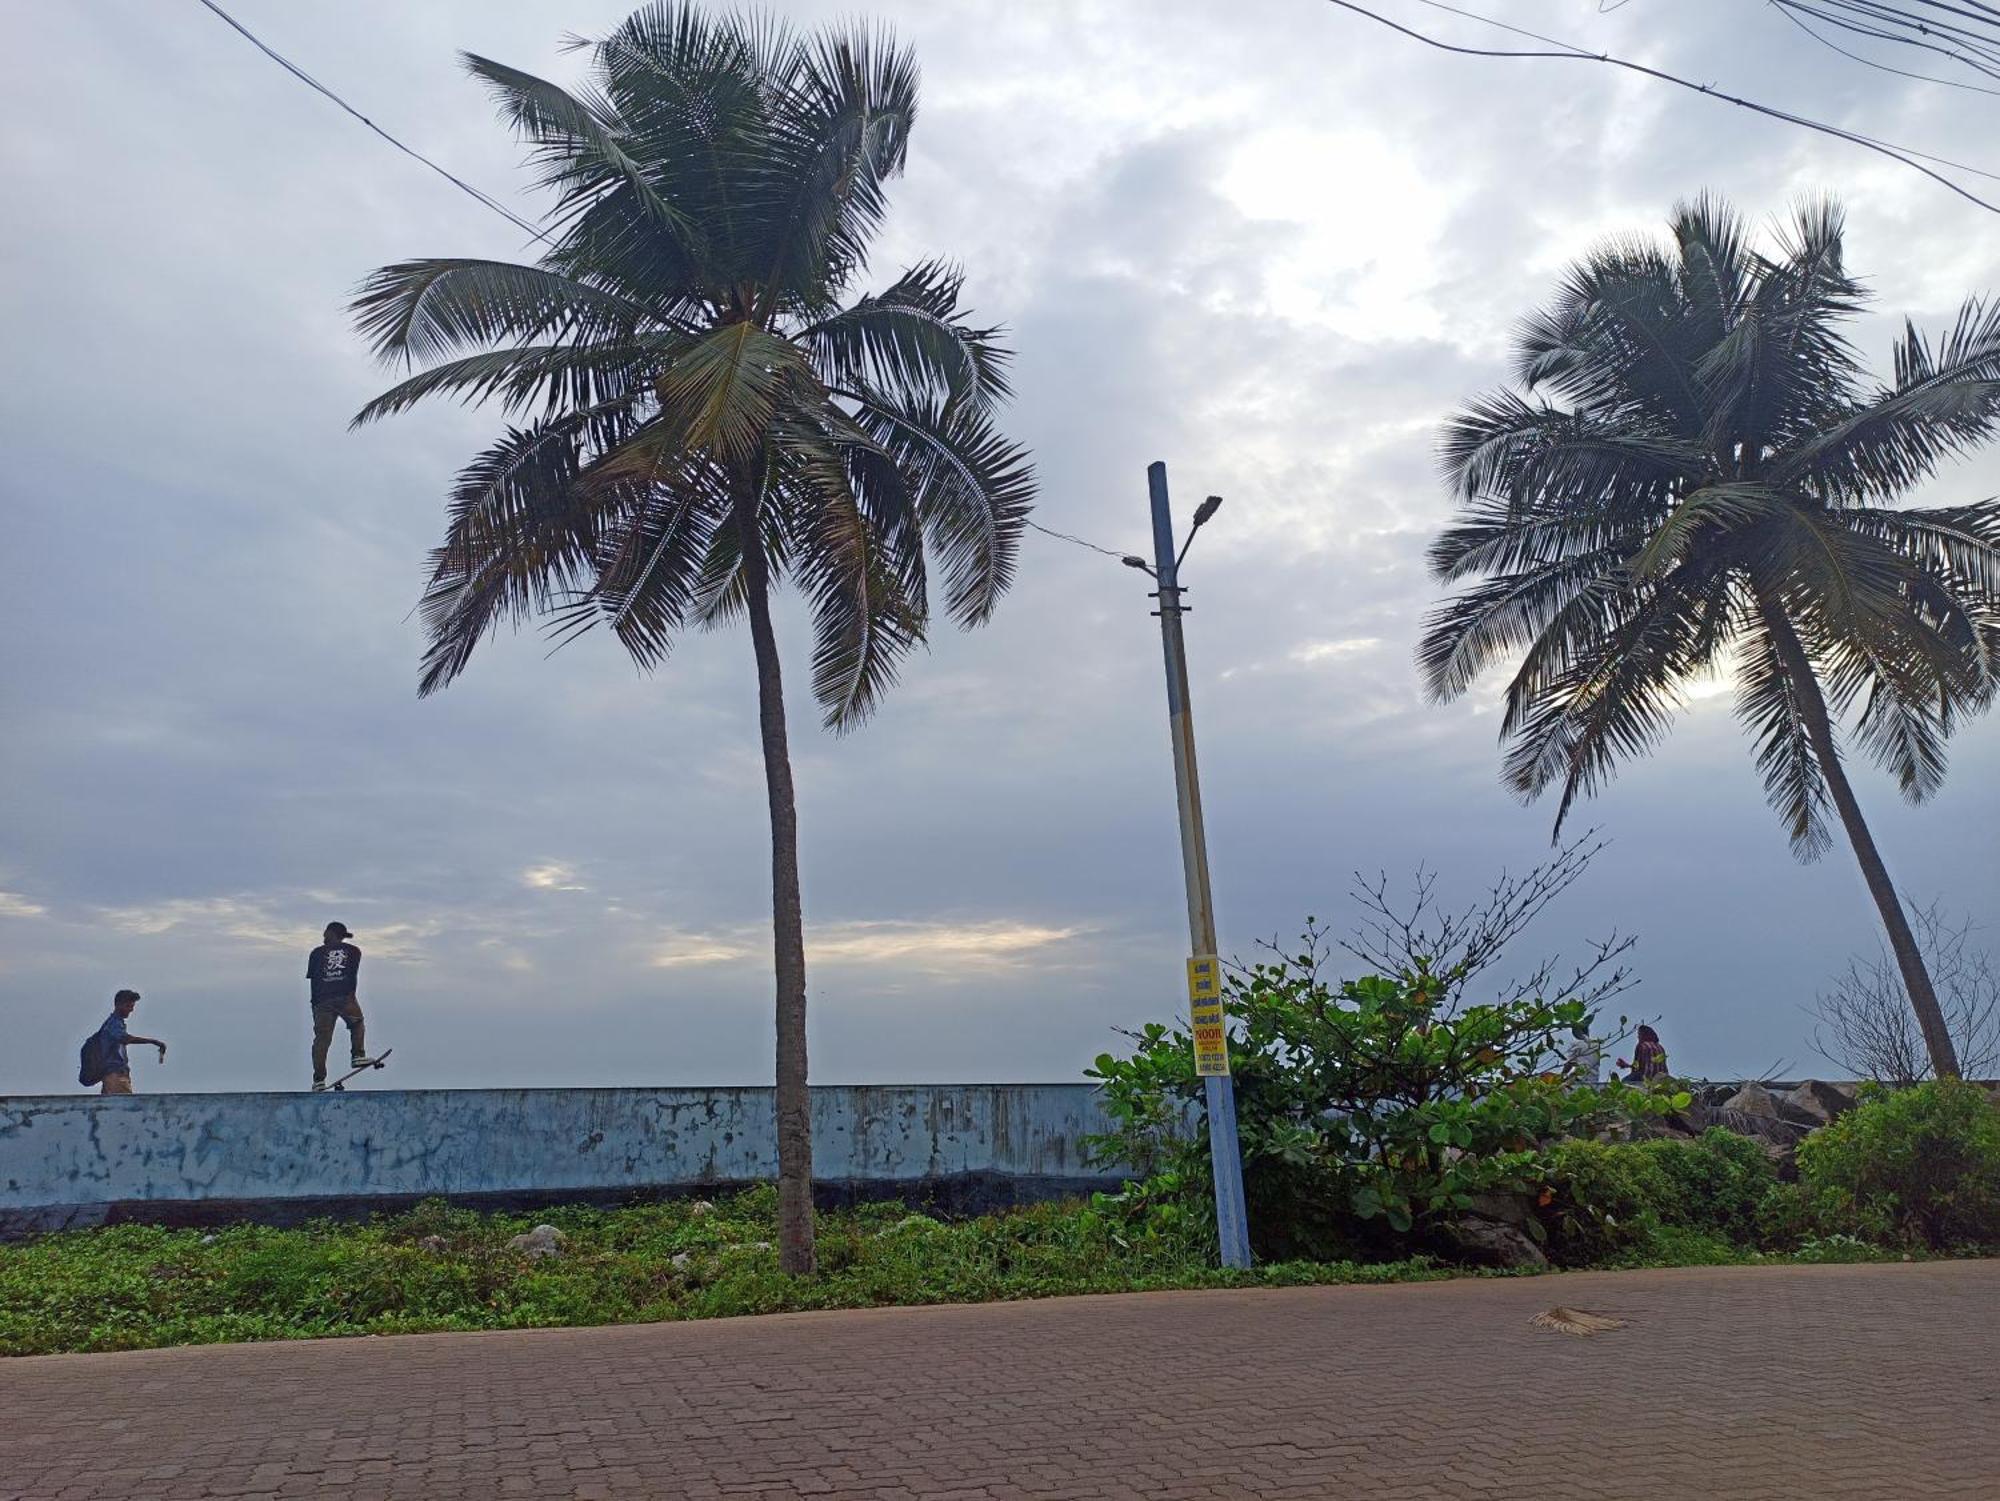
[334, 970]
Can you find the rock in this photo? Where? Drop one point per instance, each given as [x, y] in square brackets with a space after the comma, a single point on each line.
[435, 1244]
[700, 1207]
[1490, 1243]
[1783, 1157]
[1503, 1209]
[1753, 1099]
[543, 1240]
[680, 1259]
[1818, 1101]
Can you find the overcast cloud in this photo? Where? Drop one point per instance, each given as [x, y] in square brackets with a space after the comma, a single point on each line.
[1265, 241]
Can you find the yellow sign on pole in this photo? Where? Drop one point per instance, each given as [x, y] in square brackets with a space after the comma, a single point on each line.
[1211, 1037]
[1204, 978]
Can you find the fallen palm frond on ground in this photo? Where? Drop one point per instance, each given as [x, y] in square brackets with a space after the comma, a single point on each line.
[1577, 1321]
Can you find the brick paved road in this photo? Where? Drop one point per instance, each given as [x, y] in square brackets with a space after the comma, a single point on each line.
[1810, 1382]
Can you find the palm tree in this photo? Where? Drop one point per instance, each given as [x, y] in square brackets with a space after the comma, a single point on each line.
[699, 414]
[1710, 489]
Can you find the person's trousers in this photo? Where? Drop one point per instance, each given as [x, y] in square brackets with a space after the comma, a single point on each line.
[325, 1013]
[119, 1083]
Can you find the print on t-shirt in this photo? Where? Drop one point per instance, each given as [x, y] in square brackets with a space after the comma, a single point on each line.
[332, 968]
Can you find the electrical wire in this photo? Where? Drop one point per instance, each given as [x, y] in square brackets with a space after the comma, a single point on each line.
[1886, 23]
[314, 84]
[1985, 62]
[1078, 541]
[1572, 53]
[1789, 12]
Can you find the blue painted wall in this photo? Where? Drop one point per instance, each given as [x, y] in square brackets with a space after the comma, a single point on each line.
[70, 1159]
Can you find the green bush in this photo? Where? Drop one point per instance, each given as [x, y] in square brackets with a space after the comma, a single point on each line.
[1714, 1183]
[1665, 1197]
[1603, 1200]
[1370, 1111]
[1920, 1165]
[1785, 1217]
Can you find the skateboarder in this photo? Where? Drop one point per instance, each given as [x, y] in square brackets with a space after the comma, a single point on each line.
[112, 1039]
[333, 968]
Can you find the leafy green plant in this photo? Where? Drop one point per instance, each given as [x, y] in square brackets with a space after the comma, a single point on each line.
[1919, 1164]
[1785, 1217]
[1610, 1200]
[1603, 1199]
[1714, 1183]
[1381, 1104]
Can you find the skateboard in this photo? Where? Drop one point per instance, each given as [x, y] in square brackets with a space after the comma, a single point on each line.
[340, 1084]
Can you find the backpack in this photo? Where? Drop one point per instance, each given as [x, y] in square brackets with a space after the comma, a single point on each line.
[90, 1066]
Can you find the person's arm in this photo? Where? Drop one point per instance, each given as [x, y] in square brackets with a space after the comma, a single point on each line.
[148, 1042]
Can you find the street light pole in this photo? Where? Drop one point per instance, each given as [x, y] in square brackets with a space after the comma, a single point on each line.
[1204, 968]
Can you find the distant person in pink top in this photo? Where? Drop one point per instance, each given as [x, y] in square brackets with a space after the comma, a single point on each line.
[1649, 1058]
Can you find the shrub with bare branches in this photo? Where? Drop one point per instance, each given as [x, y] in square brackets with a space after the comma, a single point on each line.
[1864, 1025]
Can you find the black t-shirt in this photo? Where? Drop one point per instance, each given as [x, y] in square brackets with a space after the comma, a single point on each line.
[332, 968]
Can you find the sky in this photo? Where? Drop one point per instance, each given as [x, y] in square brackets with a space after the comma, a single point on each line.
[1269, 243]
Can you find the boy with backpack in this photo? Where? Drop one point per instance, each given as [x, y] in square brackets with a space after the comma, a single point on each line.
[104, 1059]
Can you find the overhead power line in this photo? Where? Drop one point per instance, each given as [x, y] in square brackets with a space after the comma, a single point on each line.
[1791, 13]
[313, 83]
[1570, 52]
[1978, 51]
[1077, 541]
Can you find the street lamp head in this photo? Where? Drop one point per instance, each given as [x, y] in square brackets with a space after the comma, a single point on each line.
[1130, 561]
[1207, 509]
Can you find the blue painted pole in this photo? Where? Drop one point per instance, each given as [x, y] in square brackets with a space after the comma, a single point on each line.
[1225, 1153]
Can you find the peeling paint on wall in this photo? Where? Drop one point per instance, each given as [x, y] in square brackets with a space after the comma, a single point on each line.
[65, 1159]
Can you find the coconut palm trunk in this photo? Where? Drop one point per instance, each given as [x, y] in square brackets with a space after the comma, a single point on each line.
[1902, 940]
[788, 936]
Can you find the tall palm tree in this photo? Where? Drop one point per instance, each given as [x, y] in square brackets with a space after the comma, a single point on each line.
[1697, 476]
[700, 414]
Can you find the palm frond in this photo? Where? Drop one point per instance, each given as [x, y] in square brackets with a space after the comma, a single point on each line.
[1946, 401]
[1532, 453]
[552, 376]
[1962, 541]
[520, 539]
[425, 310]
[724, 391]
[648, 567]
[579, 143]
[839, 132]
[863, 621]
[911, 341]
[971, 486]
[1486, 624]
[1770, 705]
[1699, 517]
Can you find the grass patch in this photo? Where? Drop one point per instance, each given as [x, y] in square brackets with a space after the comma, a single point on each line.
[439, 1268]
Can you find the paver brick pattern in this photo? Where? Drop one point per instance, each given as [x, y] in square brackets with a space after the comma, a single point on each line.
[1820, 1382]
